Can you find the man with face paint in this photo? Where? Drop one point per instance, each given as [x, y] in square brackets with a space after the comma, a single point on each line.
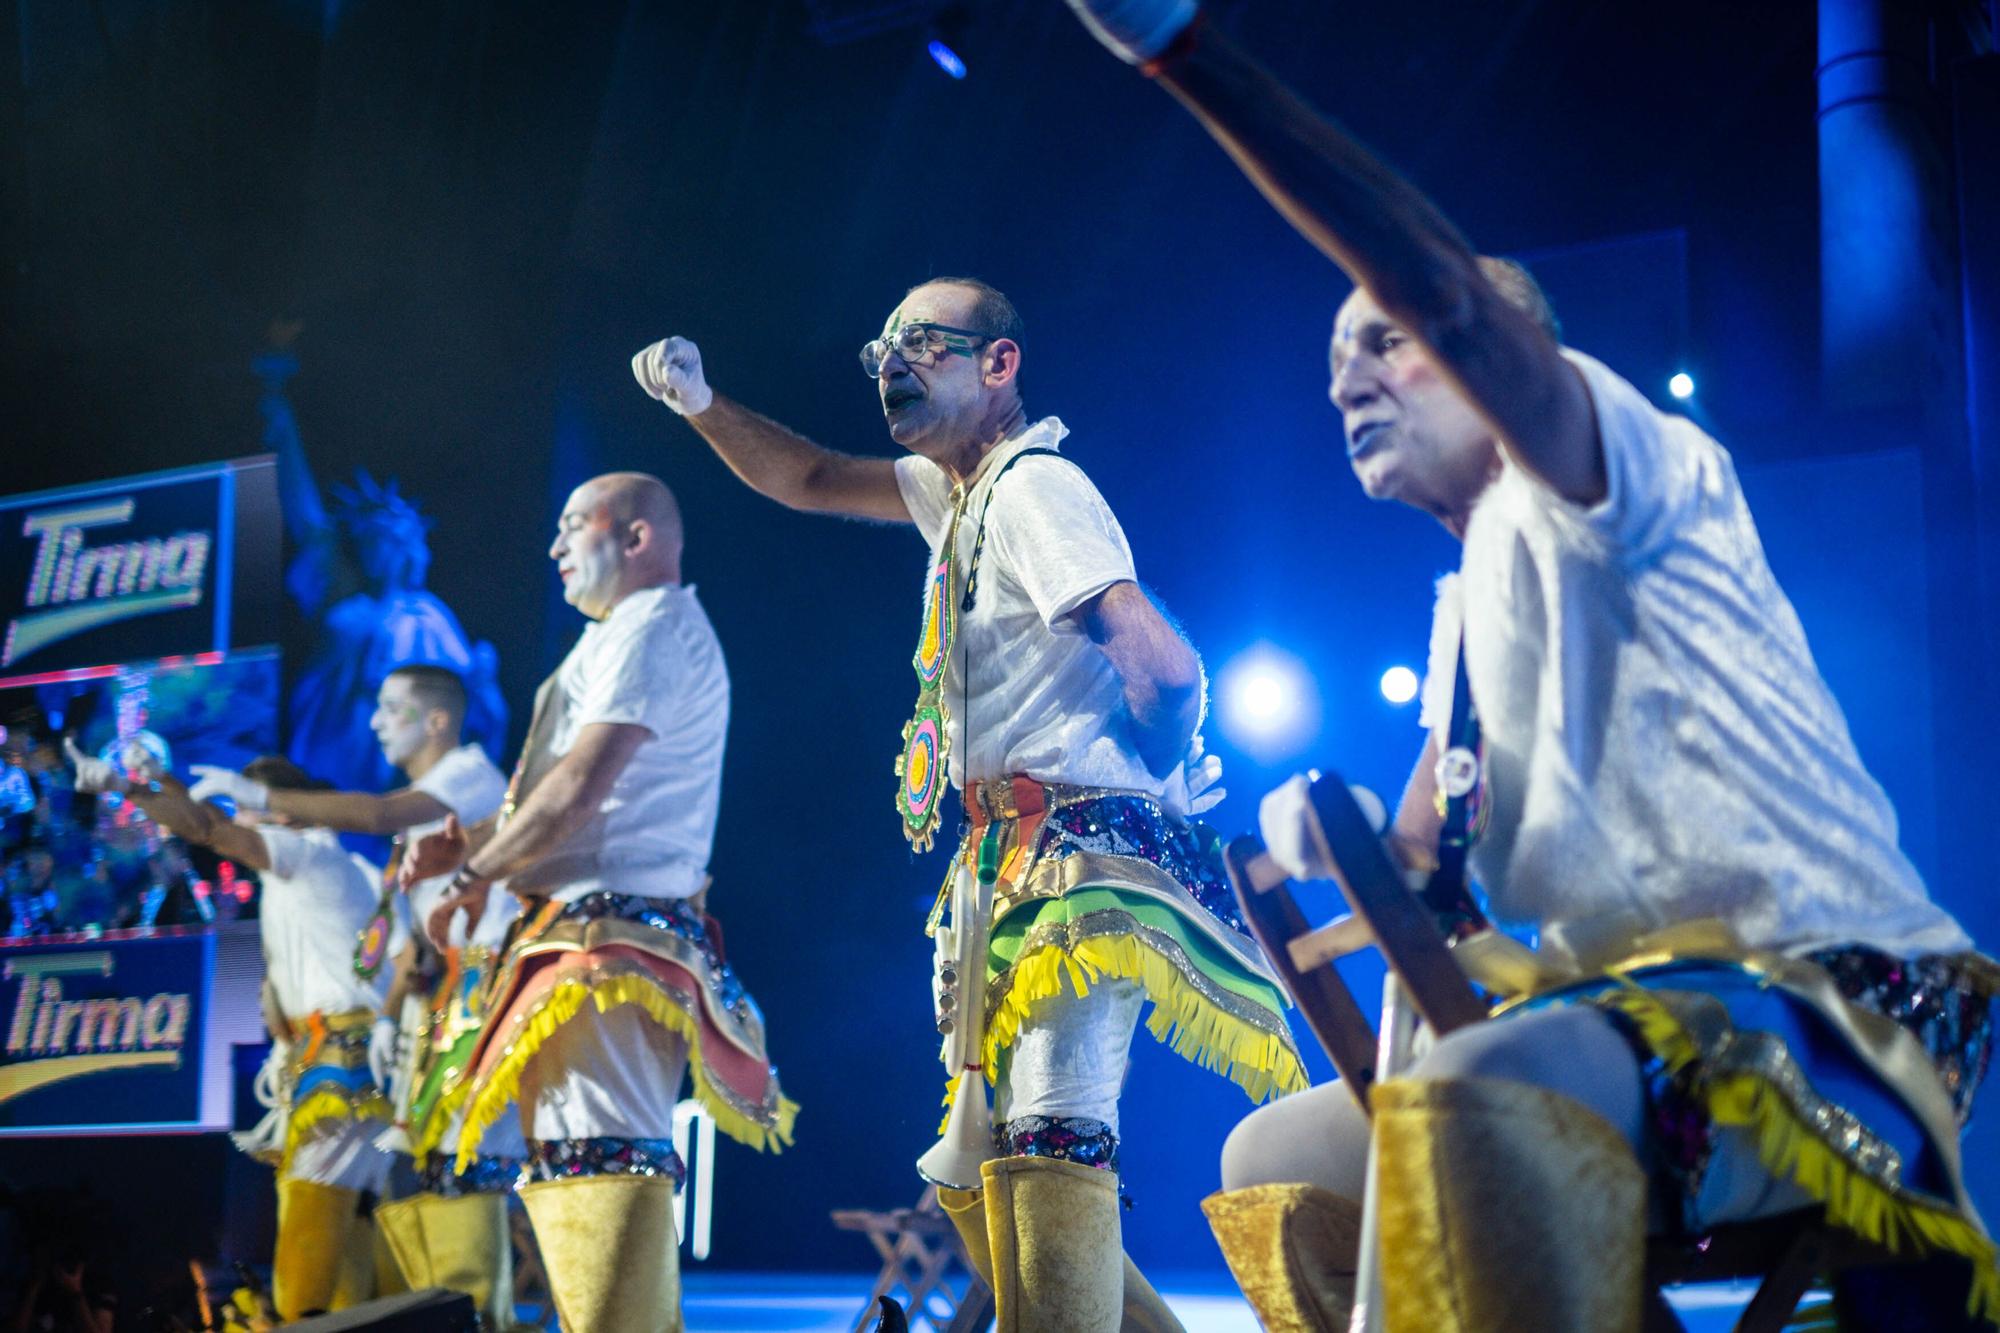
[453, 1231]
[1065, 707]
[1753, 1004]
[614, 985]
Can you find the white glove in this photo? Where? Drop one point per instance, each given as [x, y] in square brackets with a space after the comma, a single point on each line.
[1286, 820]
[1135, 30]
[211, 782]
[1202, 771]
[385, 1042]
[93, 775]
[670, 370]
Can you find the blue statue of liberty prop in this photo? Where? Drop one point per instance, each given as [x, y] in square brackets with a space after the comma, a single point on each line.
[359, 574]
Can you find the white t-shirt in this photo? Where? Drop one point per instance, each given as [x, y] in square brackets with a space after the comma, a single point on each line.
[316, 900]
[654, 662]
[1043, 699]
[1660, 745]
[468, 784]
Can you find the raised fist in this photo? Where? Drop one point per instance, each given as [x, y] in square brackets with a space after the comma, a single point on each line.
[670, 370]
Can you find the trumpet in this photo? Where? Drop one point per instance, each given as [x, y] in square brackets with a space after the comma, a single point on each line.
[955, 1159]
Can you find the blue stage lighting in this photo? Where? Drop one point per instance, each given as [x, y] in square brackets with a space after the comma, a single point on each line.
[1269, 705]
[1681, 385]
[1399, 684]
[947, 59]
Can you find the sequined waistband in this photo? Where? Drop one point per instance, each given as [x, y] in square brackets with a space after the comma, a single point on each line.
[1023, 797]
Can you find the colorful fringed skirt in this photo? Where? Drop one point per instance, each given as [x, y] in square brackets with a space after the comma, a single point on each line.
[1851, 1072]
[609, 950]
[440, 1081]
[1100, 884]
[332, 1092]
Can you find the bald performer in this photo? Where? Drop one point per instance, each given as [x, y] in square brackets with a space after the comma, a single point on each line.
[613, 987]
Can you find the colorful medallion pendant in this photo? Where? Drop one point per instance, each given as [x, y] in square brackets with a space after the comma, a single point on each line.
[920, 793]
[371, 947]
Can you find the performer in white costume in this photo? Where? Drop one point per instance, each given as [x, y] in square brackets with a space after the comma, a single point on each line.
[1062, 704]
[613, 985]
[1752, 1004]
[453, 1231]
[315, 901]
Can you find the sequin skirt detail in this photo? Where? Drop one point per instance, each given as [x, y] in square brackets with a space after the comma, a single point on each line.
[486, 1175]
[1095, 883]
[1720, 1046]
[560, 1159]
[1076, 1139]
[607, 950]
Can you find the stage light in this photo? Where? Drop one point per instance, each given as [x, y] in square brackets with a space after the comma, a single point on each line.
[1269, 707]
[1399, 685]
[947, 59]
[1681, 385]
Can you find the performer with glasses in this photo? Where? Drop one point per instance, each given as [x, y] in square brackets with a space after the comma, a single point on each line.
[1752, 1004]
[1065, 707]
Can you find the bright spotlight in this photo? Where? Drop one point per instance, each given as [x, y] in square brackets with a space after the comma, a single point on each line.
[1681, 385]
[1268, 705]
[1399, 684]
[947, 59]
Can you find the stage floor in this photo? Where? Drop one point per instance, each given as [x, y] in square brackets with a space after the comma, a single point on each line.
[828, 1303]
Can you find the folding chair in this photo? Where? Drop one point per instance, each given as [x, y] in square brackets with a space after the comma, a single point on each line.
[1785, 1254]
[920, 1250]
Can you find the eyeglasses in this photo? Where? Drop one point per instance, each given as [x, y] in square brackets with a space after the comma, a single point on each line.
[915, 343]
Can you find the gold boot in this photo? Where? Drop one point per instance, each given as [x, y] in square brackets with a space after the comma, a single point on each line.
[1052, 1227]
[389, 1280]
[356, 1282]
[609, 1248]
[1293, 1250]
[967, 1211]
[1143, 1312]
[472, 1251]
[313, 1225]
[1505, 1205]
[402, 1226]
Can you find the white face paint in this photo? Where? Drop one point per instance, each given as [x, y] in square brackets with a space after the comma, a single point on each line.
[398, 722]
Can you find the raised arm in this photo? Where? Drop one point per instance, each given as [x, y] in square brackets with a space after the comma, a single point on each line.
[771, 459]
[347, 811]
[1160, 673]
[1378, 227]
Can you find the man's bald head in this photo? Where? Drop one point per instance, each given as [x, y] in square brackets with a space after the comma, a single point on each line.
[642, 497]
[618, 533]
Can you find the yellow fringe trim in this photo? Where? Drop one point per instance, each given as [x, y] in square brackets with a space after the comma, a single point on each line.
[442, 1112]
[564, 1000]
[1789, 1149]
[1194, 1027]
[324, 1106]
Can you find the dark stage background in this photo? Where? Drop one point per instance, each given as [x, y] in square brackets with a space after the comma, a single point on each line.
[478, 210]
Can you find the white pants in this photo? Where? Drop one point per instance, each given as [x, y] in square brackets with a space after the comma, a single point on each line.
[1070, 1056]
[1320, 1136]
[345, 1156]
[603, 1075]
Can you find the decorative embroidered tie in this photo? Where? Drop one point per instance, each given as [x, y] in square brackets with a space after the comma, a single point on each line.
[920, 768]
